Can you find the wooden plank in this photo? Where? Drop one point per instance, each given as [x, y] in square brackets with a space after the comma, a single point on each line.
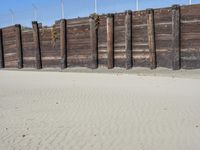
[19, 45]
[36, 38]
[93, 42]
[63, 43]
[151, 38]
[176, 37]
[2, 64]
[156, 41]
[128, 39]
[110, 40]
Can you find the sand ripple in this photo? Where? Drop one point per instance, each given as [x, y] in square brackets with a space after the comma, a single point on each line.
[72, 111]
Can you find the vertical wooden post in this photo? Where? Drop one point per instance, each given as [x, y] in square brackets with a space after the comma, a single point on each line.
[2, 65]
[93, 42]
[176, 64]
[128, 39]
[36, 38]
[151, 38]
[110, 40]
[63, 43]
[19, 45]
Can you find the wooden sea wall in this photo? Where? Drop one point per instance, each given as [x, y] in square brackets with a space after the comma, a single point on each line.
[166, 37]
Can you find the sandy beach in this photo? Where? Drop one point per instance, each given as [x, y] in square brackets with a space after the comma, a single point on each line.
[99, 111]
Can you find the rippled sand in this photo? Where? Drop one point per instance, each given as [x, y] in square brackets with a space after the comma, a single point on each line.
[90, 111]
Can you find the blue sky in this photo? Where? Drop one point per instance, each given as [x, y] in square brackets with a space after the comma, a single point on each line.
[49, 10]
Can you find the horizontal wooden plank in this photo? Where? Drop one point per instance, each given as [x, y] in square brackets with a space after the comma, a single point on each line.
[190, 12]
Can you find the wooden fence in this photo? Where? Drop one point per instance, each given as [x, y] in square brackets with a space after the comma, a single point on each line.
[167, 37]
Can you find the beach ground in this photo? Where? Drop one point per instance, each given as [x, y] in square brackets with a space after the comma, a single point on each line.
[47, 110]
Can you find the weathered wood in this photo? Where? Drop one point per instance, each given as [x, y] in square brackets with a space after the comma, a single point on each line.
[176, 63]
[36, 39]
[93, 42]
[63, 43]
[19, 45]
[2, 65]
[153, 43]
[151, 38]
[128, 39]
[110, 40]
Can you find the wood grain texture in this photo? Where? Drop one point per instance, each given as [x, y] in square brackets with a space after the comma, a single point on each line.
[128, 39]
[168, 37]
[1, 51]
[9, 47]
[110, 40]
[93, 42]
[63, 43]
[19, 45]
[190, 33]
[119, 40]
[78, 38]
[28, 48]
[36, 39]
[151, 38]
[176, 37]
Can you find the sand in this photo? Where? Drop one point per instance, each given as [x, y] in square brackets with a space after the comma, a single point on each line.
[92, 111]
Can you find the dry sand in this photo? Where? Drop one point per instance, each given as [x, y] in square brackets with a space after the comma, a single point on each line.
[90, 111]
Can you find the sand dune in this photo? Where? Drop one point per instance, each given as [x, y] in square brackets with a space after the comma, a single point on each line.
[73, 111]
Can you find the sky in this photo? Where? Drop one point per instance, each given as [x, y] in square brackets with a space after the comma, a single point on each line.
[50, 10]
